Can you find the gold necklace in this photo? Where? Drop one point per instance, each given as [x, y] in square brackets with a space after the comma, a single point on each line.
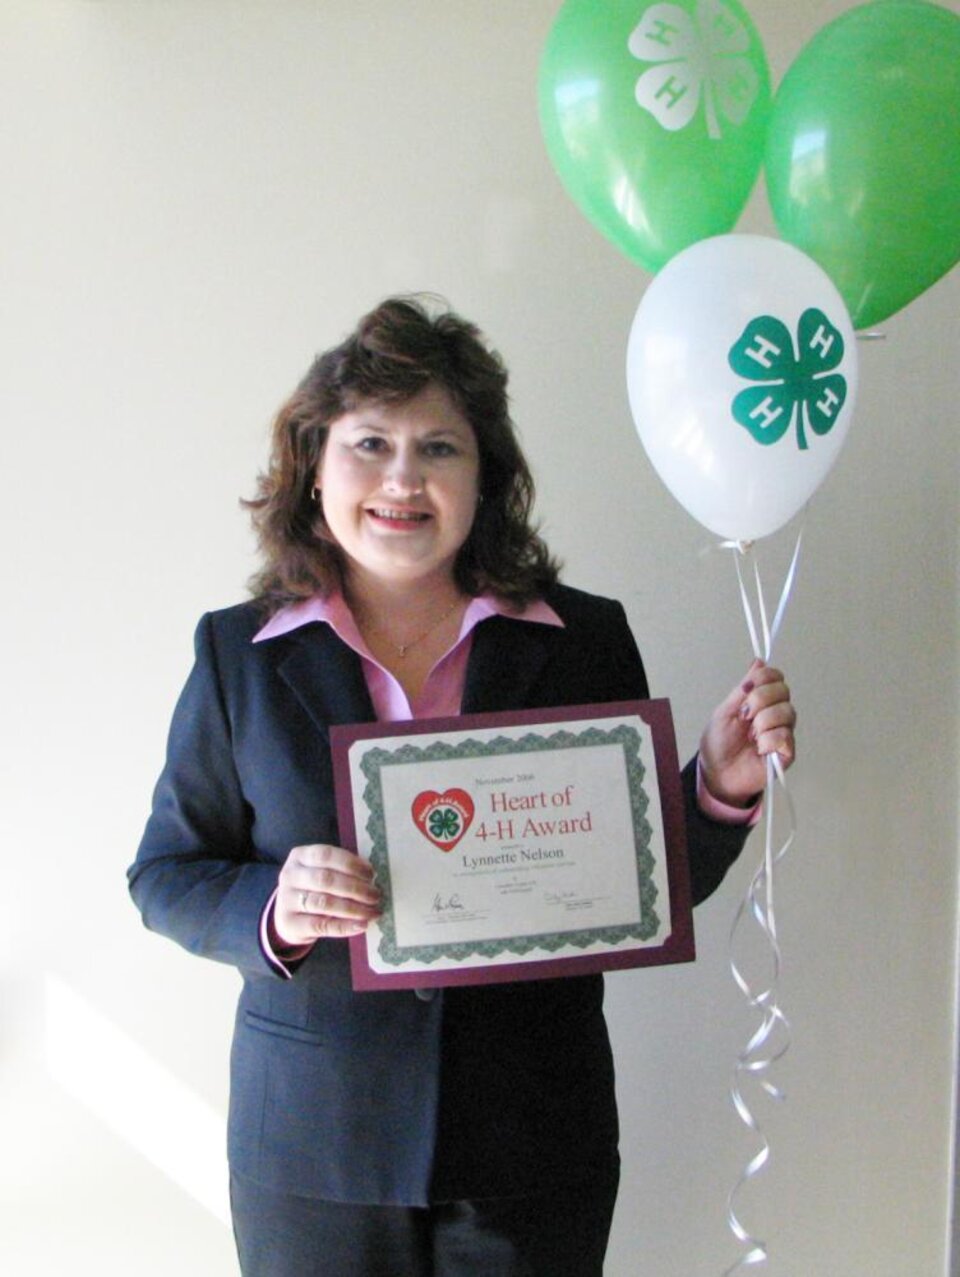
[402, 649]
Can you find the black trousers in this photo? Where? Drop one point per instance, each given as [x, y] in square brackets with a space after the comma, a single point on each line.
[562, 1233]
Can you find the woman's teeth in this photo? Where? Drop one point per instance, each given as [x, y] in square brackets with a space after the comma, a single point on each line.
[410, 516]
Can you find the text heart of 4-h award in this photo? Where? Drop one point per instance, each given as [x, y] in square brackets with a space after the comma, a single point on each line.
[517, 846]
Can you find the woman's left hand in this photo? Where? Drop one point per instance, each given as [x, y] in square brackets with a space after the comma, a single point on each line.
[756, 719]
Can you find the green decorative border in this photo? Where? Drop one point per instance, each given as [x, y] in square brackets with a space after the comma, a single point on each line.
[628, 738]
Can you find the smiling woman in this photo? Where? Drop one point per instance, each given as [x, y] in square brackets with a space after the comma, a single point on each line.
[398, 353]
[390, 1135]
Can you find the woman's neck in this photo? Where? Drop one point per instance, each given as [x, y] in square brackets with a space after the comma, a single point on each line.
[407, 627]
[377, 601]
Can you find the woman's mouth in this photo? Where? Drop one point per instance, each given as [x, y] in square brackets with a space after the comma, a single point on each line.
[388, 516]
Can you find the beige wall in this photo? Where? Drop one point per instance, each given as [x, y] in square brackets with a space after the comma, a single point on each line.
[197, 195]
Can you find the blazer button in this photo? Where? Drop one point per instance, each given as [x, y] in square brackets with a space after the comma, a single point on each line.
[426, 995]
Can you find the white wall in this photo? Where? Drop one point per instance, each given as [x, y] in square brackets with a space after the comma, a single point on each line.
[197, 196]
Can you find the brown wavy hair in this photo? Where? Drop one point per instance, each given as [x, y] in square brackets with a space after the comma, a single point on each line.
[395, 352]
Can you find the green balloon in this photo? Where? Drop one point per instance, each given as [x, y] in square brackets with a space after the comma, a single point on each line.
[863, 156]
[654, 116]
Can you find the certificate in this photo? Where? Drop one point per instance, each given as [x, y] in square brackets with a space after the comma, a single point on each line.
[517, 846]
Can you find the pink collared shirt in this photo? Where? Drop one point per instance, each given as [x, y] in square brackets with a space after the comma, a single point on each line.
[440, 696]
[443, 689]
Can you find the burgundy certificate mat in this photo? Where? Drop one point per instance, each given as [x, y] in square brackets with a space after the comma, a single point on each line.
[517, 846]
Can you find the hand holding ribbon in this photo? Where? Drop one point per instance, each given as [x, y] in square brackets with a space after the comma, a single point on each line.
[756, 719]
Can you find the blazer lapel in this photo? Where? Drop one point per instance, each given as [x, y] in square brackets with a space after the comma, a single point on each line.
[505, 660]
[326, 676]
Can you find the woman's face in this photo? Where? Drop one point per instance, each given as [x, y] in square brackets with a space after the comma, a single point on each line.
[399, 487]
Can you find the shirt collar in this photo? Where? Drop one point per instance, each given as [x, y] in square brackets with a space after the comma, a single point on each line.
[334, 611]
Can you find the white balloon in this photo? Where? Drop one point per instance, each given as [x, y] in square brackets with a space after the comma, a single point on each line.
[743, 445]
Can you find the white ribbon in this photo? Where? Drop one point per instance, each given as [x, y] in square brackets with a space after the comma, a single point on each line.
[771, 1039]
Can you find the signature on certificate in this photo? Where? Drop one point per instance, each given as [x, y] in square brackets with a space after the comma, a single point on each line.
[571, 901]
[445, 905]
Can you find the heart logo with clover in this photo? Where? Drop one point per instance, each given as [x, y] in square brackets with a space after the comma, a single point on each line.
[443, 818]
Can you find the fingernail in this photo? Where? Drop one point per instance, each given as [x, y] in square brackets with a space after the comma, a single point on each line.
[745, 710]
[747, 686]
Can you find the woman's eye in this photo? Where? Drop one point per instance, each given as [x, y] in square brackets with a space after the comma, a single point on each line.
[439, 448]
[371, 443]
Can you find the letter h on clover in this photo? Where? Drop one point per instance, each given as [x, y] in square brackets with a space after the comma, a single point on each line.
[801, 386]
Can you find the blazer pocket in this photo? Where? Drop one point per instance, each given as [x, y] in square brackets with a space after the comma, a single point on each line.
[277, 1029]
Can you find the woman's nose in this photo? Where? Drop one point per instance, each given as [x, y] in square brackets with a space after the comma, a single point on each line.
[404, 473]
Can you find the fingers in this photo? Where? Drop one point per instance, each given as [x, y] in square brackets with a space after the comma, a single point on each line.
[767, 707]
[781, 742]
[757, 718]
[762, 689]
[330, 871]
[324, 891]
[732, 702]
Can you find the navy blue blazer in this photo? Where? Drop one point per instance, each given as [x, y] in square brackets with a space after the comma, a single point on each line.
[379, 1097]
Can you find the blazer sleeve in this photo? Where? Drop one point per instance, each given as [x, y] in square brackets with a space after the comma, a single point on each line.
[712, 845]
[196, 877]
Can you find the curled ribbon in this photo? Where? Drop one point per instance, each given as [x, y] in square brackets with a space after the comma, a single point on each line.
[771, 1039]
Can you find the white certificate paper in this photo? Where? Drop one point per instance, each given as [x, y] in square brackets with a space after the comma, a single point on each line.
[517, 846]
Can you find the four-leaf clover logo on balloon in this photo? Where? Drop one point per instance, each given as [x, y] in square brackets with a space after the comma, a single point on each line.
[444, 823]
[800, 387]
[697, 56]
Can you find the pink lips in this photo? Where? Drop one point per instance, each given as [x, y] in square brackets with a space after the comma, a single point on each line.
[396, 519]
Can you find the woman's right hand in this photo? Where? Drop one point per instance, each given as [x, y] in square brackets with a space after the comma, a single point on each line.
[323, 892]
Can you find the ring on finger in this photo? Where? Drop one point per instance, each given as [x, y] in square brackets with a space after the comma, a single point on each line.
[304, 899]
